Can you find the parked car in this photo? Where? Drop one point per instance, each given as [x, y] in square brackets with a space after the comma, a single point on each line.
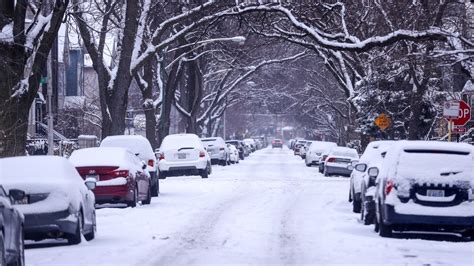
[234, 154]
[298, 145]
[277, 143]
[141, 147]
[121, 177]
[371, 154]
[304, 149]
[218, 150]
[57, 202]
[315, 151]
[322, 160]
[12, 246]
[184, 154]
[240, 146]
[426, 186]
[251, 143]
[338, 159]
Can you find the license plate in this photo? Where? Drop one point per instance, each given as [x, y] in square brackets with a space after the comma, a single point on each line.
[96, 177]
[181, 155]
[435, 193]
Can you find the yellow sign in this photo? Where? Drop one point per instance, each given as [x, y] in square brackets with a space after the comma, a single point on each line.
[383, 121]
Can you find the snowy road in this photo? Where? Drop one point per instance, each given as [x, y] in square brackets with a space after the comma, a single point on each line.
[269, 209]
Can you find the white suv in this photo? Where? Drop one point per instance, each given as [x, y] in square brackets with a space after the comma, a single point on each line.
[183, 154]
[218, 150]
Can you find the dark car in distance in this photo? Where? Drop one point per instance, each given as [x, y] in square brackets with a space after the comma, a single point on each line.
[240, 146]
[12, 251]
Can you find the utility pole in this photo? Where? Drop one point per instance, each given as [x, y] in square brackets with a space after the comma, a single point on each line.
[50, 92]
[224, 123]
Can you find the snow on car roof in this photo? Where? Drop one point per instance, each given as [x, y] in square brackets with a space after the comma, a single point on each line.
[38, 174]
[375, 149]
[431, 161]
[135, 143]
[176, 141]
[321, 145]
[344, 151]
[102, 156]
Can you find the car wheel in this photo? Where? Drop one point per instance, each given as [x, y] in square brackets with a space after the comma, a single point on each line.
[326, 172]
[90, 236]
[385, 230]
[205, 173]
[162, 175]
[356, 205]
[155, 188]
[77, 237]
[21, 257]
[133, 203]
[148, 197]
[3, 254]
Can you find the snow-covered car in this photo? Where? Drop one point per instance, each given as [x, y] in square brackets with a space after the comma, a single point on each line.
[121, 177]
[304, 149]
[234, 153]
[338, 159]
[12, 247]
[371, 153]
[367, 212]
[141, 147]
[217, 150]
[251, 143]
[316, 150]
[184, 154]
[298, 145]
[277, 143]
[322, 159]
[426, 186]
[57, 203]
[243, 152]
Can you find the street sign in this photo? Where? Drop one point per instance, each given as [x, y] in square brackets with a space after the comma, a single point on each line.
[451, 109]
[464, 114]
[383, 121]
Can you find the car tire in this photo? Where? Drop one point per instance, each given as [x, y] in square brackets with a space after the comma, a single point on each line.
[148, 197]
[356, 205]
[3, 254]
[133, 203]
[385, 230]
[21, 258]
[326, 172]
[309, 164]
[205, 173]
[76, 238]
[90, 236]
[162, 175]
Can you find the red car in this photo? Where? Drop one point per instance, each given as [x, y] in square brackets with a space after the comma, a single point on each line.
[121, 176]
[277, 143]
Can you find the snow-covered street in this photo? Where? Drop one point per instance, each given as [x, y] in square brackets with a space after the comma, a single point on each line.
[269, 209]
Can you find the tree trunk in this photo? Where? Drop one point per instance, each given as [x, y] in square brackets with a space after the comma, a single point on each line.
[16, 92]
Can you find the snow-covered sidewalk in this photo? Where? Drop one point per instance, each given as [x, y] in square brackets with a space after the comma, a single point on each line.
[269, 209]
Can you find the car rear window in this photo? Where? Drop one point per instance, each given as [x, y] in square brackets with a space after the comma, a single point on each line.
[431, 151]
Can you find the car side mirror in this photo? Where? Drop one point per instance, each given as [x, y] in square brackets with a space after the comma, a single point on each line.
[373, 172]
[143, 165]
[91, 183]
[16, 194]
[361, 167]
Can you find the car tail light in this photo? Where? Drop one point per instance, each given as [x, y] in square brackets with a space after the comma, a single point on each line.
[388, 187]
[202, 154]
[331, 160]
[162, 156]
[151, 163]
[221, 149]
